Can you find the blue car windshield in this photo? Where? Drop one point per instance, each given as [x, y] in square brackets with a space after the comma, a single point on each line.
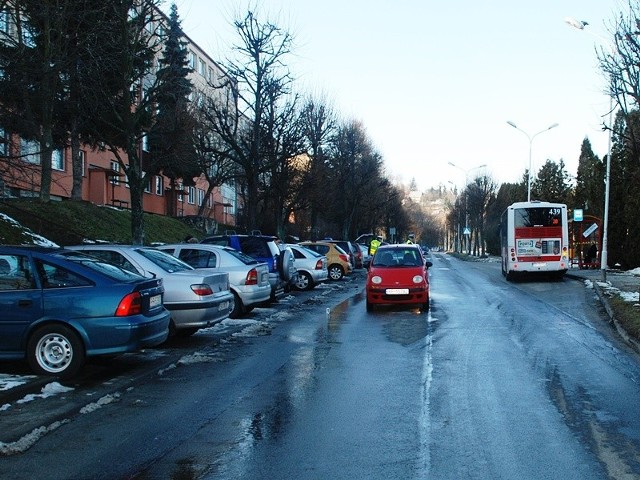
[164, 260]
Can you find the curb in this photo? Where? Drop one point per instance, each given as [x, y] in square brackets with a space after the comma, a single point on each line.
[612, 319]
[73, 407]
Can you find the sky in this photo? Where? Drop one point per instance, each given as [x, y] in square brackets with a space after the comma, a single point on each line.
[435, 82]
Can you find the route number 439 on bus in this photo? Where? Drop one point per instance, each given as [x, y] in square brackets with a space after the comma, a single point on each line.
[534, 239]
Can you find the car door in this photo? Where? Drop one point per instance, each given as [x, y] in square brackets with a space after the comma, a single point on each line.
[20, 301]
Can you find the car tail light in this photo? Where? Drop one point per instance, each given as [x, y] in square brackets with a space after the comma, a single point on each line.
[202, 289]
[344, 258]
[130, 305]
[252, 277]
[319, 265]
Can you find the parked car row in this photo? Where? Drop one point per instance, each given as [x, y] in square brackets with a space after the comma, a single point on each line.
[59, 306]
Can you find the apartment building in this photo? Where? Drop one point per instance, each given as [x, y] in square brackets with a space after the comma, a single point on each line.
[103, 182]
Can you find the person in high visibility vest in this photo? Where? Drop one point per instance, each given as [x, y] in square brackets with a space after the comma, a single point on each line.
[373, 246]
[409, 242]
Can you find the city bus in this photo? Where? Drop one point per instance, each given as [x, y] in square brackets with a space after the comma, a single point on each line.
[534, 239]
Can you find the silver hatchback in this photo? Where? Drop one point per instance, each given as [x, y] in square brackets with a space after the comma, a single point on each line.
[311, 266]
[195, 298]
[248, 278]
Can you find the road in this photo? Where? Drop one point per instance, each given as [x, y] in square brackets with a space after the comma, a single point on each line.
[499, 380]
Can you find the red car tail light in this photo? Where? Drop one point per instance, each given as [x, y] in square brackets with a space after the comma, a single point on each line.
[344, 258]
[202, 289]
[319, 265]
[252, 277]
[130, 305]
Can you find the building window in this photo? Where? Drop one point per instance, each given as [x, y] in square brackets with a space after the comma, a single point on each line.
[145, 143]
[180, 190]
[30, 151]
[147, 185]
[115, 179]
[193, 60]
[210, 77]
[200, 197]
[159, 185]
[192, 195]
[203, 67]
[57, 160]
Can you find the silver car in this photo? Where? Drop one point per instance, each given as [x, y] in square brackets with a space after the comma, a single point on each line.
[195, 298]
[311, 266]
[248, 278]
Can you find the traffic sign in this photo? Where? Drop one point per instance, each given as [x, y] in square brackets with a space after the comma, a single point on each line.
[577, 215]
[467, 231]
[590, 230]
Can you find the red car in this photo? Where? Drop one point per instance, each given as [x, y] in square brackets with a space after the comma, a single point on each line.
[398, 275]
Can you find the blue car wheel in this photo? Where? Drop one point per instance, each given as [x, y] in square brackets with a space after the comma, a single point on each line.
[55, 350]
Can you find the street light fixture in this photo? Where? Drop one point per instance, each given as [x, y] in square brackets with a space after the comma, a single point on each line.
[466, 197]
[530, 142]
[580, 24]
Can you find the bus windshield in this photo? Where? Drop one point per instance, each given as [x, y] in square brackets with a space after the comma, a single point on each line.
[537, 217]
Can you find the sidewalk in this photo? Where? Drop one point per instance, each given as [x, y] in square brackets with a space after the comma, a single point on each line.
[625, 284]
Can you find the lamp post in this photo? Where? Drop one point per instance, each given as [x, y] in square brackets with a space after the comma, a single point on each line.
[456, 227]
[466, 199]
[530, 142]
[605, 221]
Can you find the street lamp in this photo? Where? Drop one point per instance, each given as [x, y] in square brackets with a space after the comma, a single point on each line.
[530, 142]
[466, 200]
[580, 24]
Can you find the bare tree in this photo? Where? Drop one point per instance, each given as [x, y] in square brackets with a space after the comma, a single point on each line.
[261, 82]
[319, 126]
[354, 170]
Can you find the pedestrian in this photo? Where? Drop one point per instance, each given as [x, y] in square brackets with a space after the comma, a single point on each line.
[374, 244]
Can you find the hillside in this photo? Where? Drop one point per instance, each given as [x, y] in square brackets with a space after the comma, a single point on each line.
[69, 223]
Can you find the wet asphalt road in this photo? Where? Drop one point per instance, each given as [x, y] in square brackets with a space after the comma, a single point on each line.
[499, 380]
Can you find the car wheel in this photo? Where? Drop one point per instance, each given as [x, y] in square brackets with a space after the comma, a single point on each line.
[304, 281]
[336, 272]
[238, 307]
[369, 306]
[424, 308]
[55, 350]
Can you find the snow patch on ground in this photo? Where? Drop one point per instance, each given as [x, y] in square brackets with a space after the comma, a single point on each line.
[37, 239]
[49, 390]
[610, 291]
[29, 439]
[7, 382]
[199, 357]
[106, 400]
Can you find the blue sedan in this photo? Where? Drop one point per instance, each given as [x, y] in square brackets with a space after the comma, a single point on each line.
[58, 307]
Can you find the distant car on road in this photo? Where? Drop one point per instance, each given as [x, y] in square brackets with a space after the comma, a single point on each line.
[58, 307]
[248, 278]
[398, 275]
[195, 298]
[311, 266]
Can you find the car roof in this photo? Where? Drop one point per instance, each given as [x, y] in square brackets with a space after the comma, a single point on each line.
[399, 246]
[31, 248]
